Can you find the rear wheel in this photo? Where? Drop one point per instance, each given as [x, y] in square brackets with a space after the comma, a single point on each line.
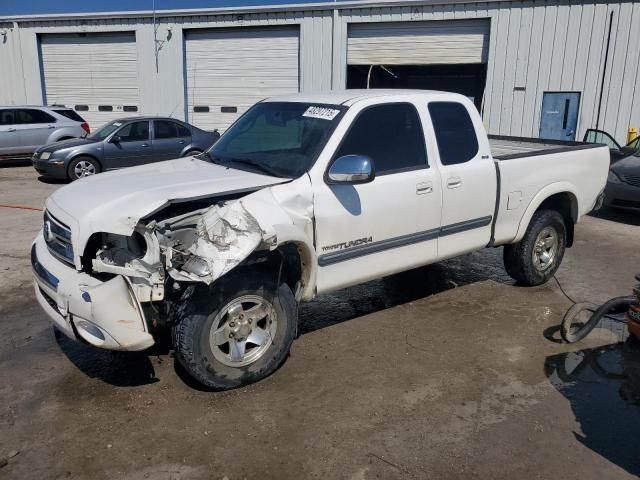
[536, 258]
[83, 167]
[237, 332]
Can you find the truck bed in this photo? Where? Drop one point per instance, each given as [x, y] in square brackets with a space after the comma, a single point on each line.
[506, 148]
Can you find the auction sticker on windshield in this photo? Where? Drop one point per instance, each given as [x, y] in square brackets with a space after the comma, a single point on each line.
[321, 112]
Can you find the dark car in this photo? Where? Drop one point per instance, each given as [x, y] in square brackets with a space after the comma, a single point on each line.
[122, 143]
[623, 184]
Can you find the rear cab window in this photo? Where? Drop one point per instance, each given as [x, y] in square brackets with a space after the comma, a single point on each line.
[70, 114]
[455, 133]
[391, 135]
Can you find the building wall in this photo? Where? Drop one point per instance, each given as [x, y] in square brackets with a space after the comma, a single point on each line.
[535, 46]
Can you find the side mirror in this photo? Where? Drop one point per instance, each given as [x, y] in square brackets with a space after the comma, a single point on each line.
[115, 139]
[351, 169]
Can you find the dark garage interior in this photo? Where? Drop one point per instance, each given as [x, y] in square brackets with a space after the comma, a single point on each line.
[468, 80]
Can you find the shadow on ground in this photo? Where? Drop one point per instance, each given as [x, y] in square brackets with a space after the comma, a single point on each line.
[603, 387]
[627, 217]
[122, 369]
[370, 297]
[15, 162]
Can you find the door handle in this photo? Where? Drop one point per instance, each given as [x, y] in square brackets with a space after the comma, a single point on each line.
[144, 145]
[181, 142]
[423, 188]
[11, 129]
[51, 127]
[454, 182]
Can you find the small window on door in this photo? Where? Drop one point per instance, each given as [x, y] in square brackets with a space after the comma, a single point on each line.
[29, 116]
[134, 132]
[455, 133]
[391, 135]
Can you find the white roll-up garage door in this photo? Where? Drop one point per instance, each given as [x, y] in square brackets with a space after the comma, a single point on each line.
[96, 74]
[228, 70]
[418, 43]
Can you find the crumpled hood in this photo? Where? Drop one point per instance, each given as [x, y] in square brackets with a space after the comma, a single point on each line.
[115, 201]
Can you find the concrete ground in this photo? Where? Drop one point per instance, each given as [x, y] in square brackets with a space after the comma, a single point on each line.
[448, 371]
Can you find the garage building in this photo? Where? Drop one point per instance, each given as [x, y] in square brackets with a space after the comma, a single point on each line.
[534, 68]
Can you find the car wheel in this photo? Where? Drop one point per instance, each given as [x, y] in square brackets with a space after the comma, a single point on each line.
[236, 332]
[536, 258]
[83, 167]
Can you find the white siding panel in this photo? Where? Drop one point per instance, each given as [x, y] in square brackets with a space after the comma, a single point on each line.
[418, 43]
[236, 68]
[93, 70]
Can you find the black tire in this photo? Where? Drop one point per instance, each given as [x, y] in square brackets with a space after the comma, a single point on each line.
[72, 170]
[195, 320]
[518, 258]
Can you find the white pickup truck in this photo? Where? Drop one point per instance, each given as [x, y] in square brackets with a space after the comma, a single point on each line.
[302, 195]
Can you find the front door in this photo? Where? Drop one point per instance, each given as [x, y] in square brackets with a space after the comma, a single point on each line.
[129, 146]
[367, 231]
[559, 116]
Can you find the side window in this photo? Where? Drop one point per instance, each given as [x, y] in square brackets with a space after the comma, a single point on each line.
[7, 117]
[455, 134]
[182, 131]
[164, 129]
[134, 132]
[24, 116]
[391, 135]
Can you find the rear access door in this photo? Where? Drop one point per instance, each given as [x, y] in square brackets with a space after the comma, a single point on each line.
[468, 179]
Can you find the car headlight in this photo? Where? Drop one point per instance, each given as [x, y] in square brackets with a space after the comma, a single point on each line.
[613, 177]
[45, 155]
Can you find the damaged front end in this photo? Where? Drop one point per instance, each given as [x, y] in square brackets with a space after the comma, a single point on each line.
[199, 246]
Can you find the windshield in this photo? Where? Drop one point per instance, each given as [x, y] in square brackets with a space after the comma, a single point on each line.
[104, 131]
[277, 138]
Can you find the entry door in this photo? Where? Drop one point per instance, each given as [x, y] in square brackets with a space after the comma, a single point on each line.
[559, 117]
[375, 229]
[129, 146]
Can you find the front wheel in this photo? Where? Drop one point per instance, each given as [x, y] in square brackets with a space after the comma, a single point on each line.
[536, 258]
[83, 167]
[236, 332]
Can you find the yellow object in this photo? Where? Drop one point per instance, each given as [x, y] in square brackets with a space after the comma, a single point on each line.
[632, 134]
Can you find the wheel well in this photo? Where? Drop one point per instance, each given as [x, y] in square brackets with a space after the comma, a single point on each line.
[567, 205]
[284, 263]
[191, 151]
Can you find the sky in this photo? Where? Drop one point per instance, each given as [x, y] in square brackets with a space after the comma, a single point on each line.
[34, 7]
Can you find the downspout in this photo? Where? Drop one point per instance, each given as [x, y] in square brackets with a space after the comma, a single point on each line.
[604, 69]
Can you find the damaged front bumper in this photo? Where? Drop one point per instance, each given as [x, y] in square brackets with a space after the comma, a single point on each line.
[104, 314]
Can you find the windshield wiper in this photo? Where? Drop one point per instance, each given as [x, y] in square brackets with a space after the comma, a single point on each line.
[259, 166]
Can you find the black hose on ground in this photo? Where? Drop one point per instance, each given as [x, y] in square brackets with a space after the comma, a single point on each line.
[572, 333]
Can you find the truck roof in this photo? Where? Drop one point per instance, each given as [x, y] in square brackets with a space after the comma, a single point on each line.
[349, 97]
